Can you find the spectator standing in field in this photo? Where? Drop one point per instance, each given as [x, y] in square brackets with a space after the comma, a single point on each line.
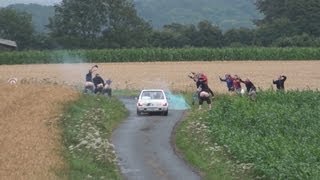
[236, 84]
[228, 79]
[98, 83]
[205, 93]
[251, 89]
[280, 82]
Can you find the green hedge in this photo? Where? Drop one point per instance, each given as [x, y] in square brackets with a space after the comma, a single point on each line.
[158, 54]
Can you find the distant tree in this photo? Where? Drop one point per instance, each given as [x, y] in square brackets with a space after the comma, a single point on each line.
[241, 36]
[17, 26]
[178, 35]
[164, 39]
[42, 41]
[208, 35]
[174, 35]
[303, 40]
[285, 18]
[98, 24]
[267, 33]
[40, 14]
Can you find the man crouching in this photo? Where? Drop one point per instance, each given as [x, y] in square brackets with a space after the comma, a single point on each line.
[98, 83]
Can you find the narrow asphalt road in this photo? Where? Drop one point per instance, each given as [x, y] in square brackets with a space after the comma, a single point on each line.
[142, 144]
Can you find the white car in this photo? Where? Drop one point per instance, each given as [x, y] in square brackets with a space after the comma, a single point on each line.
[152, 100]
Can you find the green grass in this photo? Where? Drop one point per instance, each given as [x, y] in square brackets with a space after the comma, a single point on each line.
[87, 125]
[274, 137]
[158, 54]
[202, 152]
[126, 93]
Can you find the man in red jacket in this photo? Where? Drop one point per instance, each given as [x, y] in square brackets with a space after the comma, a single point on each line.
[237, 84]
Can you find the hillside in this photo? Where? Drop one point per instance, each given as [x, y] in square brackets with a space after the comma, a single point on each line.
[40, 14]
[224, 13]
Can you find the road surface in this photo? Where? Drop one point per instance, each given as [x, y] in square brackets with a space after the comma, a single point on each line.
[143, 147]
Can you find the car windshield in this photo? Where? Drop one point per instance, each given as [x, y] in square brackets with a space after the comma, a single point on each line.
[152, 95]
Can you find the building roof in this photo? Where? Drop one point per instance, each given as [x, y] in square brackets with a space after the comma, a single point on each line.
[8, 42]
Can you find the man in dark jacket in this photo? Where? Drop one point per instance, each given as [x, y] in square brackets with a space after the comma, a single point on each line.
[98, 83]
[249, 85]
[89, 75]
[89, 84]
[280, 82]
[251, 89]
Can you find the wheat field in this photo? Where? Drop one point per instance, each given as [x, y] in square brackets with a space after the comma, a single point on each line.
[173, 75]
[29, 137]
[29, 111]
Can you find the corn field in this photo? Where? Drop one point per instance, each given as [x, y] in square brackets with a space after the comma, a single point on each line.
[158, 54]
[278, 133]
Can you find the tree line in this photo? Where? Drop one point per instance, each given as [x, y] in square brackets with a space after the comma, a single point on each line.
[101, 24]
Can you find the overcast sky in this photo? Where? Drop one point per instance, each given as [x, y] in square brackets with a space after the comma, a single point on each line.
[42, 2]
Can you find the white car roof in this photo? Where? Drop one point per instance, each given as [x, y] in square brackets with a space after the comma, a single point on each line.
[152, 90]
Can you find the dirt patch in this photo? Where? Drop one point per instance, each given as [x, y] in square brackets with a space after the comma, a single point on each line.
[29, 138]
[173, 75]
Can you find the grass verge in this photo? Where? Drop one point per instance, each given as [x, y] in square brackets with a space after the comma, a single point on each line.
[126, 93]
[274, 137]
[199, 148]
[87, 126]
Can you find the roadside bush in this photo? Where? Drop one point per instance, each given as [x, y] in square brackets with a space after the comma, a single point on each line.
[87, 126]
[303, 40]
[158, 54]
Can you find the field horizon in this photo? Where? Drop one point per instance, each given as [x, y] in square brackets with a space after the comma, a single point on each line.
[172, 75]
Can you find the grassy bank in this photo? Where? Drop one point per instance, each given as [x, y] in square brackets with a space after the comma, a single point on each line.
[158, 54]
[87, 126]
[275, 137]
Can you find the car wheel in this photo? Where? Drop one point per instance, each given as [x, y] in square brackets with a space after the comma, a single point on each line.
[165, 113]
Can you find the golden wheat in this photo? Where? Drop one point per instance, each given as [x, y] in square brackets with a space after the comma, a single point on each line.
[172, 75]
[30, 140]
